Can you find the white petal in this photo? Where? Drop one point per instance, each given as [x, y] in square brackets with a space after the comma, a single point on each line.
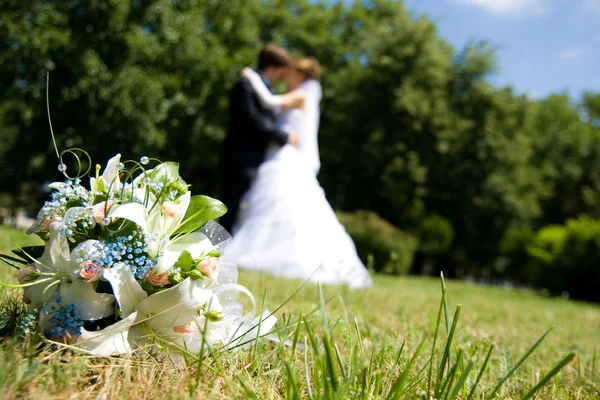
[214, 304]
[114, 339]
[80, 251]
[196, 243]
[56, 252]
[134, 212]
[142, 194]
[126, 289]
[173, 223]
[91, 305]
[35, 293]
[111, 172]
[141, 176]
[214, 333]
[176, 306]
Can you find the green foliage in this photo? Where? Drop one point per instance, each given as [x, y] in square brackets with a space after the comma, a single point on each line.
[371, 350]
[392, 250]
[567, 258]
[435, 235]
[407, 119]
[568, 156]
[514, 261]
[200, 210]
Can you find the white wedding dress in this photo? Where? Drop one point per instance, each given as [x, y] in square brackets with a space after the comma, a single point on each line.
[285, 226]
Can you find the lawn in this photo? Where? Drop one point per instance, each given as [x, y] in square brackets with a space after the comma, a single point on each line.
[353, 350]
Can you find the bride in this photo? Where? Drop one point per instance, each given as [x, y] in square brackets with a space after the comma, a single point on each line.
[285, 226]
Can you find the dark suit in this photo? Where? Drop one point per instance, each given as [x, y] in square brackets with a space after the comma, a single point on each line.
[251, 129]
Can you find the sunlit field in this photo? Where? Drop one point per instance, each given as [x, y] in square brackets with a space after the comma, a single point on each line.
[375, 343]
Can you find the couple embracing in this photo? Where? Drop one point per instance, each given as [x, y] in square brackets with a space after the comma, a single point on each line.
[278, 214]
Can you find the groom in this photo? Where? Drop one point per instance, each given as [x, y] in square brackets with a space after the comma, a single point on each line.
[251, 129]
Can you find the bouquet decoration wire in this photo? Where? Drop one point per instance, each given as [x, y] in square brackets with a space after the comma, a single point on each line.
[132, 262]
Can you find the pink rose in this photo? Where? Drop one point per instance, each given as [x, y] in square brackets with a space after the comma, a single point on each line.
[157, 280]
[189, 328]
[170, 209]
[90, 271]
[99, 210]
[25, 273]
[209, 267]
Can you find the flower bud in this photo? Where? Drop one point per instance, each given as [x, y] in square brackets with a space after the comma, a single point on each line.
[209, 267]
[170, 209]
[157, 280]
[90, 271]
[100, 210]
[28, 273]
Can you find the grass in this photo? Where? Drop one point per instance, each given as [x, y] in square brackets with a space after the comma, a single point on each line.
[400, 339]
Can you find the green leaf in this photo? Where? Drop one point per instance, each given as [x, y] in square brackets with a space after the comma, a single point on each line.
[201, 210]
[10, 260]
[214, 316]
[29, 253]
[214, 253]
[193, 274]
[45, 236]
[185, 262]
[175, 278]
[168, 174]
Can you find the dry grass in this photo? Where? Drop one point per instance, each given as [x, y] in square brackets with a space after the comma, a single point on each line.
[393, 312]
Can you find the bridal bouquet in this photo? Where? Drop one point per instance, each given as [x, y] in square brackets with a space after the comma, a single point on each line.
[133, 262]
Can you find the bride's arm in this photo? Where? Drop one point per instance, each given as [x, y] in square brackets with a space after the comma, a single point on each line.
[293, 99]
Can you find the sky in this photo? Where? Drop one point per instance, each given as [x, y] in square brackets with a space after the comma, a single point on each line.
[542, 46]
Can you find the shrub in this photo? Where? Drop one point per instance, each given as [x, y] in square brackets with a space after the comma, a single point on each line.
[388, 248]
[567, 258]
[435, 235]
[514, 256]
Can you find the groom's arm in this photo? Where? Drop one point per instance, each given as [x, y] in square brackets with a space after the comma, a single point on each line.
[252, 116]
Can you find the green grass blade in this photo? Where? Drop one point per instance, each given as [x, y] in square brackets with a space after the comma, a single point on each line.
[446, 355]
[450, 377]
[377, 385]
[260, 319]
[481, 371]
[330, 362]
[397, 361]
[311, 337]
[445, 299]
[340, 361]
[323, 310]
[272, 313]
[517, 365]
[549, 375]
[461, 381]
[435, 336]
[329, 352]
[364, 383]
[359, 336]
[398, 387]
[307, 371]
[247, 391]
[292, 381]
[296, 336]
[418, 378]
